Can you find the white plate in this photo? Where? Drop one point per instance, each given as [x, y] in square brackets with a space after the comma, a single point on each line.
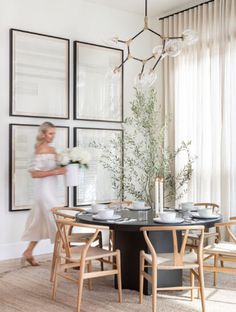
[196, 215]
[114, 217]
[143, 209]
[177, 220]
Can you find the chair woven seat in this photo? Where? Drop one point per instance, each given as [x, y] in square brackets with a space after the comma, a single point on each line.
[165, 261]
[226, 248]
[92, 253]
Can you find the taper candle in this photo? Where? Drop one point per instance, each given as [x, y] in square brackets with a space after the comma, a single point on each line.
[161, 195]
[157, 196]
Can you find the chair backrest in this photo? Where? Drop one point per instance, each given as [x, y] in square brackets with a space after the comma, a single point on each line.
[226, 230]
[64, 226]
[64, 212]
[178, 248]
[213, 206]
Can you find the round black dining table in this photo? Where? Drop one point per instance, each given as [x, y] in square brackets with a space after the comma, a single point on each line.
[129, 240]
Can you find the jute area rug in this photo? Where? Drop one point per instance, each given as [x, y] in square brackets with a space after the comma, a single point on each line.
[28, 289]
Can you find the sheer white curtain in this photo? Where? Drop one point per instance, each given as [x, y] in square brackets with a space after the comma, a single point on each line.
[200, 93]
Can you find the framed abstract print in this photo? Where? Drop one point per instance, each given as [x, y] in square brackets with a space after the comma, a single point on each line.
[95, 183]
[98, 91]
[39, 75]
[21, 185]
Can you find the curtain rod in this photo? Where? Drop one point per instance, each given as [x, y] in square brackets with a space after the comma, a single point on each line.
[193, 7]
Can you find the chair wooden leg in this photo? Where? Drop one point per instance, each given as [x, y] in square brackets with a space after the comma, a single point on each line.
[141, 278]
[55, 251]
[154, 289]
[89, 269]
[215, 273]
[198, 290]
[202, 287]
[80, 287]
[55, 278]
[192, 284]
[119, 281]
[100, 245]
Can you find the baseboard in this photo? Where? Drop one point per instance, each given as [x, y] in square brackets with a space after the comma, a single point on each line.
[14, 250]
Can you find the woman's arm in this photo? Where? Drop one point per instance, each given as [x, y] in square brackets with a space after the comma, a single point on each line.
[44, 174]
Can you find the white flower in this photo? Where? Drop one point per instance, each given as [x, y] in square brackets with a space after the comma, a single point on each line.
[84, 157]
[74, 155]
[63, 158]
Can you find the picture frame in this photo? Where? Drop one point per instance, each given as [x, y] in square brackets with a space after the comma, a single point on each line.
[95, 183]
[21, 149]
[39, 75]
[98, 92]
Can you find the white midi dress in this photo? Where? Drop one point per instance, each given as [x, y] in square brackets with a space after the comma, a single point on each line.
[40, 223]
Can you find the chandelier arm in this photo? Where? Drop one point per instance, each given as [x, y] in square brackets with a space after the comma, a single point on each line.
[121, 41]
[139, 33]
[164, 45]
[137, 59]
[118, 67]
[180, 37]
[154, 32]
[128, 48]
[142, 70]
[151, 57]
[158, 60]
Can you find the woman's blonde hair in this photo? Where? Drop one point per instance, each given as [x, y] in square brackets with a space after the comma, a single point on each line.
[43, 128]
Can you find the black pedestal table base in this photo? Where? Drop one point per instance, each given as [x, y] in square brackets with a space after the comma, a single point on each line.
[130, 244]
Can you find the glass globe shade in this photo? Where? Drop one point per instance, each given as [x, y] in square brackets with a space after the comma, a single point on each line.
[145, 80]
[157, 51]
[151, 77]
[190, 37]
[173, 47]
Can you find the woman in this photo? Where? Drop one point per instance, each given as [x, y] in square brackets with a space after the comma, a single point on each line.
[40, 223]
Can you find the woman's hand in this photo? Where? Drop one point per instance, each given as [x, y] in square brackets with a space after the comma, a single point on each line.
[60, 170]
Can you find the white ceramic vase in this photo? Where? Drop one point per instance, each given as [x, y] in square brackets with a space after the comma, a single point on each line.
[72, 175]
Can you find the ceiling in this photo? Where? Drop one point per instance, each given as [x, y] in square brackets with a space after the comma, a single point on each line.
[155, 7]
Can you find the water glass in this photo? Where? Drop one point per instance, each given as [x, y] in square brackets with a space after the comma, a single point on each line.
[142, 215]
[117, 207]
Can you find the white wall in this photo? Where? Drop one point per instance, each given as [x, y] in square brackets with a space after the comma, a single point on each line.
[72, 19]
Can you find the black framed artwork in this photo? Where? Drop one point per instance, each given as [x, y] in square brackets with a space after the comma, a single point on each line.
[95, 183]
[39, 75]
[98, 91]
[21, 185]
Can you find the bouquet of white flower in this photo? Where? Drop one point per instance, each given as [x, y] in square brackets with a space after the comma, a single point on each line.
[73, 159]
[74, 155]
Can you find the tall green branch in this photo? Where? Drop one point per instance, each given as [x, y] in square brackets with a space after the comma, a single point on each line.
[145, 155]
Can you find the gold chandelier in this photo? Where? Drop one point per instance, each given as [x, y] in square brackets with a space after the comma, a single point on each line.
[170, 46]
